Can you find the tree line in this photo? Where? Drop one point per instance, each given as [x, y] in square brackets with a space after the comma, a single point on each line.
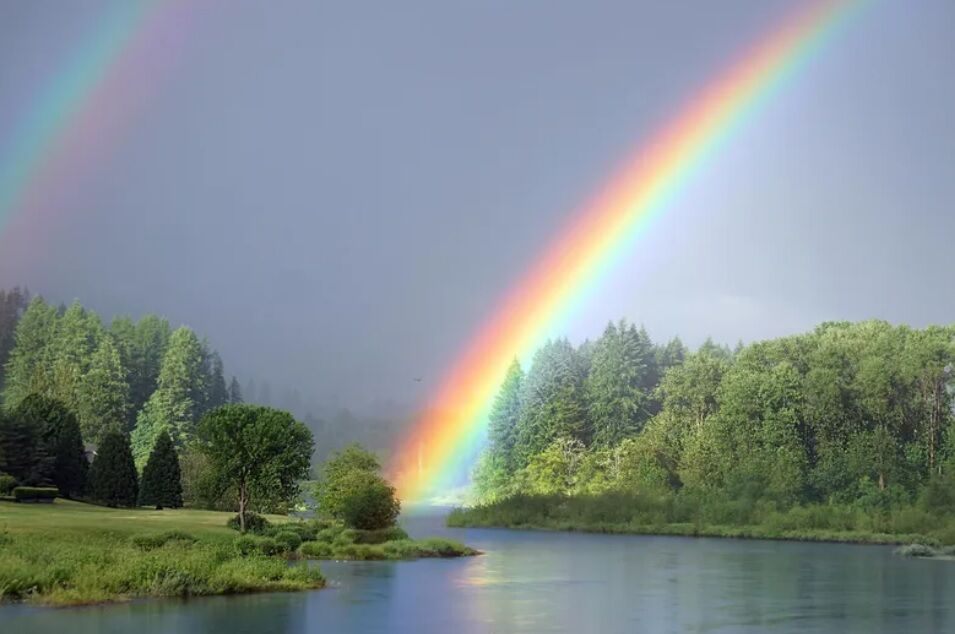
[850, 413]
[133, 377]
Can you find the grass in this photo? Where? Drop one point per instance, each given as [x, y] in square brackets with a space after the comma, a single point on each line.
[70, 553]
[670, 515]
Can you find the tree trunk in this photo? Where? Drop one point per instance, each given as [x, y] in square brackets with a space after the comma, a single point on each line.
[881, 481]
[242, 502]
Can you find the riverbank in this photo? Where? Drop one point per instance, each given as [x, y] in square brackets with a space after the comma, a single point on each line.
[70, 553]
[642, 515]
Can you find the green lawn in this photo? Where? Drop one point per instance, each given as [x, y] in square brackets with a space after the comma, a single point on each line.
[69, 553]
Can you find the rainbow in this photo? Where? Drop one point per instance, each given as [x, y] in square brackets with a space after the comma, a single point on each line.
[452, 430]
[109, 76]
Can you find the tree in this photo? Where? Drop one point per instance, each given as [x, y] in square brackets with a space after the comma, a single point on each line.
[235, 392]
[148, 351]
[12, 305]
[112, 478]
[22, 452]
[504, 416]
[28, 369]
[335, 478]
[173, 405]
[103, 394]
[370, 502]
[78, 335]
[616, 385]
[161, 484]
[60, 442]
[260, 451]
[553, 404]
[218, 393]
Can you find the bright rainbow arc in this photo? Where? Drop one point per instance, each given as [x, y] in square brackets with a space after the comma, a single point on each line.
[453, 428]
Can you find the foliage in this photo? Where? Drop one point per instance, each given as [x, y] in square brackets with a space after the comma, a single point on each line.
[151, 541]
[7, 484]
[60, 457]
[113, 479]
[370, 502]
[23, 453]
[161, 484]
[259, 451]
[254, 523]
[35, 494]
[333, 484]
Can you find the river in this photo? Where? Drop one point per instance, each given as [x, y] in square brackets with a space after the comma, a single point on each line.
[565, 582]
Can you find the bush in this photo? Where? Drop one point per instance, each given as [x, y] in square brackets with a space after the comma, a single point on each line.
[35, 494]
[916, 550]
[305, 531]
[328, 535]
[316, 550]
[254, 523]
[369, 502]
[158, 540]
[7, 484]
[268, 546]
[379, 536]
[288, 540]
[246, 545]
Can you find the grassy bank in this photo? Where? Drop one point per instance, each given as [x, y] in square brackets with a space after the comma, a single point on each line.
[335, 541]
[670, 515]
[70, 553]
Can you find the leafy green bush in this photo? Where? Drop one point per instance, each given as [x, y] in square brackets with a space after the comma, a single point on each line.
[246, 544]
[316, 550]
[7, 484]
[35, 494]
[379, 536]
[305, 531]
[158, 540]
[289, 541]
[328, 535]
[254, 523]
[268, 546]
[916, 550]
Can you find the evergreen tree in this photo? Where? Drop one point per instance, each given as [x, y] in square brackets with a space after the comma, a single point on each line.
[172, 406]
[553, 404]
[60, 442]
[616, 386]
[235, 392]
[150, 345]
[218, 393]
[12, 305]
[161, 484]
[103, 394]
[78, 334]
[112, 476]
[504, 416]
[22, 451]
[28, 368]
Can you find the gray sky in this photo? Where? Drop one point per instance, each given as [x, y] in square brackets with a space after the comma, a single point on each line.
[338, 193]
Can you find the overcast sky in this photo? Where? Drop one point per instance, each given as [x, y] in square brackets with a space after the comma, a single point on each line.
[338, 193]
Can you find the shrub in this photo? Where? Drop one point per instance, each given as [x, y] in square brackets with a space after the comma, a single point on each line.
[369, 502]
[328, 535]
[246, 545]
[288, 540]
[268, 546]
[254, 523]
[915, 550]
[7, 484]
[316, 550]
[305, 531]
[35, 494]
[379, 536]
[158, 540]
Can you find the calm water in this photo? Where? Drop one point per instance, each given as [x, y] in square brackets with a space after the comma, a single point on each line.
[547, 582]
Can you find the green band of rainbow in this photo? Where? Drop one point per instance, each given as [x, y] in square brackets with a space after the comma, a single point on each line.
[568, 272]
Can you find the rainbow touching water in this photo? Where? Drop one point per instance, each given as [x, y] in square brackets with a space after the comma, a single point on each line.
[448, 436]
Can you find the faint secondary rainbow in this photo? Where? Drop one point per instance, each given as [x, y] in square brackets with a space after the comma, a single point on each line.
[107, 78]
[452, 430]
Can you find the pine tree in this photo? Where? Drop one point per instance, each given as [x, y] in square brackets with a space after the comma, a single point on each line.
[103, 394]
[78, 333]
[553, 403]
[235, 392]
[28, 368]
[112, 476]
[615, 387]
[60, 442]
[22, 452]
[505, 413]
[12, 305]
[172, 406]
[218, 393]
[161, 484]
[151, 342]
